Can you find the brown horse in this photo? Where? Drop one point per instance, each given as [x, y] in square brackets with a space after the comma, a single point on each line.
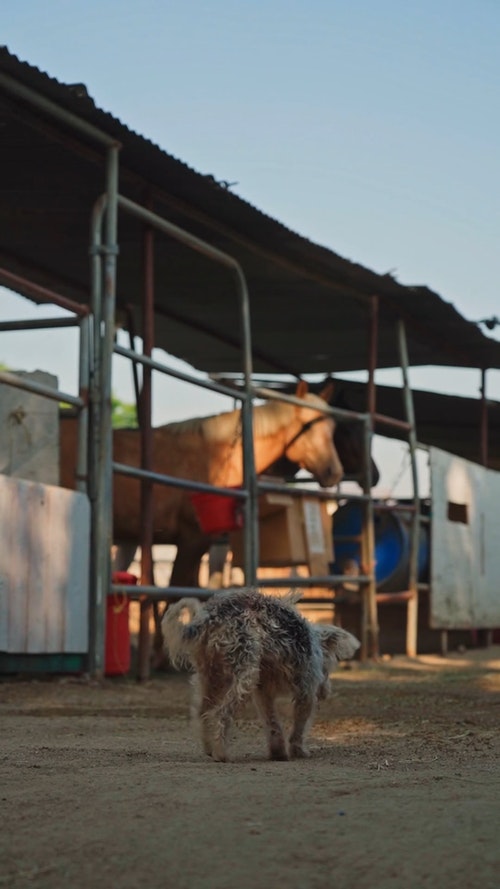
[209, 450]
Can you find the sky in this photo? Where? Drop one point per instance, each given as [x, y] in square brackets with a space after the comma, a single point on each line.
[368, 126]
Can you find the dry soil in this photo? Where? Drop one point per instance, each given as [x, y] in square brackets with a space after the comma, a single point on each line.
[104, 785]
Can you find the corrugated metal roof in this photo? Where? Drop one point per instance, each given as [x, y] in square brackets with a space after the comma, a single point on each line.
[309, 306]
[448, 422]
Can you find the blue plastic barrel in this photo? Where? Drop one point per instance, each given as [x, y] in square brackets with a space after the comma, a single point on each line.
[392, 546]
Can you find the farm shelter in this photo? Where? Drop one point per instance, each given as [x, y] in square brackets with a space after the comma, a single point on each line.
[192, 269]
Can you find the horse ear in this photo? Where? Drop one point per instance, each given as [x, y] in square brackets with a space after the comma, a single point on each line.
[327, 391]
[302, 389]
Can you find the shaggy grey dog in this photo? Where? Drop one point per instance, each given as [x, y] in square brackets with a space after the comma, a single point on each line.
[243, 643]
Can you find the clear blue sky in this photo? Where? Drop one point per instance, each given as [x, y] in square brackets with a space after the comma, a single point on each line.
[369, 126]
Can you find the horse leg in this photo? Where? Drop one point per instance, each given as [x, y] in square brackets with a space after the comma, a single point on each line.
[123, 555]
[191, 548]
[217, 560]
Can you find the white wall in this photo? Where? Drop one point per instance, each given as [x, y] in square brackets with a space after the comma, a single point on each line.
[44, 568]
[465, 544]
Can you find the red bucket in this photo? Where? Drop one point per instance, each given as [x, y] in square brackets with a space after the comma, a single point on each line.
[217, 514]
[117, 647]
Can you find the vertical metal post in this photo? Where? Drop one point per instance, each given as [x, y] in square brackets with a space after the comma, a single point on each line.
[412, 609]
[486, 636]
[483, 455]
[82, 460]
[105, 329]
[135, 374]
[370, 627]
[95, 338]
[146, 539]
[251, 526]
[95, 591]
[372, 357]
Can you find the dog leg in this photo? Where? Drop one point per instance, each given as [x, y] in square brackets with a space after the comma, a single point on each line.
[206, 727]
[222, 722]
[303, 712]
[215, 711]
[242, 682]
[264, 704]
[201, 711]
[222, 717]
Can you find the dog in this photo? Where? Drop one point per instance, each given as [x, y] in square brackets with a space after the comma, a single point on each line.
[243, 643]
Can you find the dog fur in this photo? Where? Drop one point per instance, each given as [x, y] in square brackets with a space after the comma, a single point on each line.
[243, 643]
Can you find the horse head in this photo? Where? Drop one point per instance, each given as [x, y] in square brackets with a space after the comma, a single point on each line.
[312, 446]
[348, 438]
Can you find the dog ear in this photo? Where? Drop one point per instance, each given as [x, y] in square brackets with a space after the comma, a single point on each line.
[339, 642]
[292, 597]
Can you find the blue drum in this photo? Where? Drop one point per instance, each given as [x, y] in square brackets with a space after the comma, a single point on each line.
[392, 546]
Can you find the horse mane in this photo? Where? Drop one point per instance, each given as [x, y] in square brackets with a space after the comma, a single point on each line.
[268, 418]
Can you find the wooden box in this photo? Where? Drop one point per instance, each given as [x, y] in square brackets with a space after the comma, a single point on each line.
[292, 531]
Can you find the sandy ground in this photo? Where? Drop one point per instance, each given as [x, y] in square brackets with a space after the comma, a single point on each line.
[104, 785]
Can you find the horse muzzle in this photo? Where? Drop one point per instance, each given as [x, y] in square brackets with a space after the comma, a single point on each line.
[330, 476]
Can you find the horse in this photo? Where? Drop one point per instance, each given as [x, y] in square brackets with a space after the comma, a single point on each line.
[209, 449]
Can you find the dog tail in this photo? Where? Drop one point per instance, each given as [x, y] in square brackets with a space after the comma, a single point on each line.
[183, 621]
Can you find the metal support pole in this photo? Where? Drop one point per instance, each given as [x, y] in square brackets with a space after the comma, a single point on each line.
[135, 374]
[83, 415]
[369, 626]
[95, 590]
[146, 540]
[251, 526]
[485, 636]
[412, 608]
[372, 359]
[104, 323]
[483, 455]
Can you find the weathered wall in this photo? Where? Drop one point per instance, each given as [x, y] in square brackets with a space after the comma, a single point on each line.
[44, 568]
[29, 431]
[465, 544]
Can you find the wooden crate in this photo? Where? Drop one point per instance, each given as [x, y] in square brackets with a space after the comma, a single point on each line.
[292, 531]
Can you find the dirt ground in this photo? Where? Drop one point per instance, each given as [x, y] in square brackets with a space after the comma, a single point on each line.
[104, 785]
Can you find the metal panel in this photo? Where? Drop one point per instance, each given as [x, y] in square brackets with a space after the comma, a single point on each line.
[44, 568]
[465, 556]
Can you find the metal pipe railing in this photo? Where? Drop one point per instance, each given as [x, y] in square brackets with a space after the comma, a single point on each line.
[145, 361]
[17, 382]
[38, 324]
[20, 91]
[42, 294]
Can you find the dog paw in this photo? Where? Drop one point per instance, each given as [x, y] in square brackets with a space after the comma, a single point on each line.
[299, 752]
[279, 755]
[219, 756]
